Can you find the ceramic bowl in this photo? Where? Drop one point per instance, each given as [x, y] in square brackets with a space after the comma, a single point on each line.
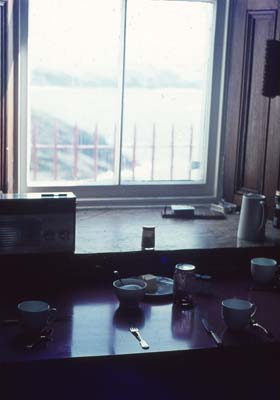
[129, 291]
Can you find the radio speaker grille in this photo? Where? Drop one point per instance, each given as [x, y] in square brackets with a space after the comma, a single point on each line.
[16, 232]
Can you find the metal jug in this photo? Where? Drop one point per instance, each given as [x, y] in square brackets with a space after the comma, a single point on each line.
[252, 217]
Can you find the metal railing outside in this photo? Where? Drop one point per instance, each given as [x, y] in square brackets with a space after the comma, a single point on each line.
[131, 152]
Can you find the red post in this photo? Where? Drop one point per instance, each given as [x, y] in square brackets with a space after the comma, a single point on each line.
[190, 152]
[153, 152]
[55, 156]
[134, 152]
[35, 156]
[95, 153]
[76, 144]
[172, 152]
[114, 148]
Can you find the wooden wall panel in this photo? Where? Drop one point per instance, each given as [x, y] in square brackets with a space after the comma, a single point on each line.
[8, 99]
[233, 99]
[272, 170]
[252, 120]
[254, 112]
[3, 90]
[11, 97]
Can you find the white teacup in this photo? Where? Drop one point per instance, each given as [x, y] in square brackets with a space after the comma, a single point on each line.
[35, 315]
[237, 313]
[263, 269]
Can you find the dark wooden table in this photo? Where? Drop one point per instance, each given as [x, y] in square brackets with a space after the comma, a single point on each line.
[91, 333]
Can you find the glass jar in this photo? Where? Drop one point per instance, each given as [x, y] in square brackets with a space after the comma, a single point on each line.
[183, 285]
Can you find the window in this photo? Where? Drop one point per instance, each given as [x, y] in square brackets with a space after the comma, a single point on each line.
[121, 99]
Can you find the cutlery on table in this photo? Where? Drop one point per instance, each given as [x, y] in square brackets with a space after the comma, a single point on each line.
[44, 337]
[10, 322]
[210, 331]
[257, 325]
[135, 332]
[36, 342]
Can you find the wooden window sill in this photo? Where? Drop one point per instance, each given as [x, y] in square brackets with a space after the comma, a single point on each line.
[120, 231]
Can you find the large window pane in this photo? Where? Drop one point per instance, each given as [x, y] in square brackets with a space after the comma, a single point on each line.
[118, 97]
[167, 90]
[73, 96]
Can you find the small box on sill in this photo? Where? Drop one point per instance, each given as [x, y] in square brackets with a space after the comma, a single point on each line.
[183, 210]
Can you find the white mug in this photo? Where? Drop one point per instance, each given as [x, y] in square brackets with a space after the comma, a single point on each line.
[237, 313]
[35, 315]
[263, 269]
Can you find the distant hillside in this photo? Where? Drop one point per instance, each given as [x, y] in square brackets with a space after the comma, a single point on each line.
[150, 78]
[45, 126]
[49, 78]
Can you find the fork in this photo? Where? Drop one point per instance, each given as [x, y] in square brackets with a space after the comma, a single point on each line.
[135, 332]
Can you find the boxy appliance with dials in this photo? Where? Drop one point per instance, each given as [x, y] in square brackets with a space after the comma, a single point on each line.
[37, 223]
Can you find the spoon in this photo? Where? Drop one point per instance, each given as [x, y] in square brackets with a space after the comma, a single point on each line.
[119, 279]
[257, 325]
[44, 337]
[39, 340]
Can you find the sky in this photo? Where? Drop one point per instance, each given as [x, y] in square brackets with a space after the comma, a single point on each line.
[86, 38]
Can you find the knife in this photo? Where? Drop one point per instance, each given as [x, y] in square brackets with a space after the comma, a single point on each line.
[209, 330]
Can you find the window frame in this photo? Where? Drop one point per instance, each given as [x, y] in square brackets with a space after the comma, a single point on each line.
[129, 194]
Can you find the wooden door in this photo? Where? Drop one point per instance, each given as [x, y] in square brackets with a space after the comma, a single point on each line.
[252, 144]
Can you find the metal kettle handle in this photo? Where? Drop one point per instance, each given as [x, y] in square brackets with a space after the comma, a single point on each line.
[263, 220]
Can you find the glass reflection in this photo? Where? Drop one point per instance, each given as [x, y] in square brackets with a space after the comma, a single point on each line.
[182, 322]
[92, 330]
[125, 318]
